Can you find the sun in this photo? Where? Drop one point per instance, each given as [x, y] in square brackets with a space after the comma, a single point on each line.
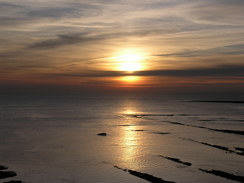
[129, 61]
[133, 57]
[130, 66]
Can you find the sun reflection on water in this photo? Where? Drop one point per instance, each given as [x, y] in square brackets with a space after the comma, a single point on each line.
[130, 136]
[130, 140]
[130, 145]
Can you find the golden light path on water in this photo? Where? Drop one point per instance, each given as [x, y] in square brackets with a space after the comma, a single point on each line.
[131, 142]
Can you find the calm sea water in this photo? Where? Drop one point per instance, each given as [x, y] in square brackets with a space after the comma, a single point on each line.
[48, 138]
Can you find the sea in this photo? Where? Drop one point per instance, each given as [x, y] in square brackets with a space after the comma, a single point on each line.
[81, 138]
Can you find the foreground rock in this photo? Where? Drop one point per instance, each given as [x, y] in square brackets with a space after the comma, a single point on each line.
[177, 160]
[7, 174]
[224, 175]
[145, 176]
[102, 134]
[3, 167]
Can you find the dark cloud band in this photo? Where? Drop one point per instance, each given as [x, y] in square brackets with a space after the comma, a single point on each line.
[227, 70]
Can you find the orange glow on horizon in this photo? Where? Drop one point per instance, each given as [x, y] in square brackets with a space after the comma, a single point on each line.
[130, 79]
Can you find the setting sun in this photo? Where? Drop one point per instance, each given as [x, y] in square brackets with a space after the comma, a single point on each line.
[130, 66]
[129, 60]
[130, 57]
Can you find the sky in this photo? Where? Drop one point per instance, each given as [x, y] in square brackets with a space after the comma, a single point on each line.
[118, 45]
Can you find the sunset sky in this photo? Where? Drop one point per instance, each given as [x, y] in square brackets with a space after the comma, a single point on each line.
[122, 44]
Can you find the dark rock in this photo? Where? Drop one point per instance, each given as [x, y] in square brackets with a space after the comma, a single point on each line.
[238, 132]
[177, 160]
[7, 174]
[162, 133]
[102, 134]
[218, 147]
[241, 150]
[224, 175]
[145, 176]
[3, 167]
[14, 181]
[148, 177]
[138, 130]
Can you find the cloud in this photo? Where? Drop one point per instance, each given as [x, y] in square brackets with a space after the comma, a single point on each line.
[6, 6]
[65, 11]
[222, 12]
[225, 70]
[221, 70]
[86, 37]
[236, 49]
[14, 13]
[63, 40]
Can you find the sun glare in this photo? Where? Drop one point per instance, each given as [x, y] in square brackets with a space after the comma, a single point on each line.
[130, 67]
[130, 60]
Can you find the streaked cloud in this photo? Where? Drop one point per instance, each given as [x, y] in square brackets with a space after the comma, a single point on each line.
[221, 70]
[62, 40]
[237, 49]
[217, 12]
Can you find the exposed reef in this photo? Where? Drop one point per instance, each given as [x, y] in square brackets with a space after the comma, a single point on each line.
[226, 149]
[3, 167]
[145, 176]
[102, 134]
[162, 133]
[224, 175]
[7, 174]
[177, 160]
[219, 101]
